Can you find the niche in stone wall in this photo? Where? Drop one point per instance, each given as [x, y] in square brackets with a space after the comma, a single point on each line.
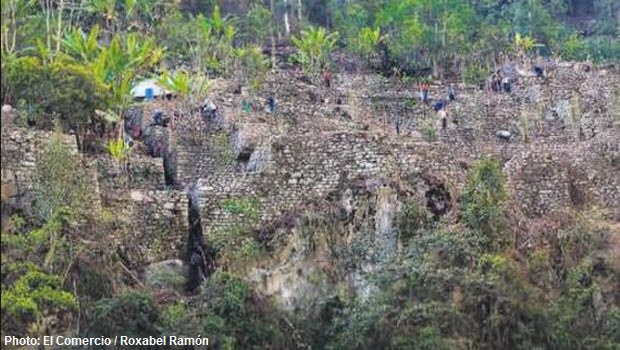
[243, 157]
[244, 146]
[244, 154]
[438, 200]
[170, 167]
[577, 183]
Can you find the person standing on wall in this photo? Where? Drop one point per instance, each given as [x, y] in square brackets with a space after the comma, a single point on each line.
[425, 88]
[271, 104]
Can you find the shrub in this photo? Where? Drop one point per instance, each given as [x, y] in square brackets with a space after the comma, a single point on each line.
[32, 286]
[475, 73]
[574, 48]
[236, 316]
[246, 207]
[179, 319]
[69, 92]
[412, 218]
[34, 292]
[60, 180]
[366, 42]
[258, 24]
[481, 201]
[132, 313]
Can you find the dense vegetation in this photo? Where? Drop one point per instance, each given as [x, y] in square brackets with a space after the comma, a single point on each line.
[71, 64]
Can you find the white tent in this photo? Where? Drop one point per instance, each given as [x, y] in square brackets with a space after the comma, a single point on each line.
[140, 88]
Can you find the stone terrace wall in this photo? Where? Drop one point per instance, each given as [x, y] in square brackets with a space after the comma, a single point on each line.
[20, 148]
[545, 177]
[145, 172]
[156, 219]
[158, 224]
[303, 168]
[541, 177]
[557, 166]
[571, 102]
[154, 216]
[217, 147]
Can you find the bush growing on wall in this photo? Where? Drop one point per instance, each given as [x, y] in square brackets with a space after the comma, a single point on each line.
[60, 180]
[61, 91]
[237, 316]
[481, 202]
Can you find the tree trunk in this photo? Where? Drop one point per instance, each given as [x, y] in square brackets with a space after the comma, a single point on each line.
[47, 24]
[287, 25]
[273, 38]
[59, 32]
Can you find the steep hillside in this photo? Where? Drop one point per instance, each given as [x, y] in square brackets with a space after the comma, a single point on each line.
[350, 217]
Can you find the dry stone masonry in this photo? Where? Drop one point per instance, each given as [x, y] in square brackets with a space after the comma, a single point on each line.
[561, 152]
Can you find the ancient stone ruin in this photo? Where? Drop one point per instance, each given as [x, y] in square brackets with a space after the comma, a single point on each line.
[561, 151]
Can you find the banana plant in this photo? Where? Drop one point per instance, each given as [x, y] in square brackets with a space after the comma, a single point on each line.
[313, 49]
[118, 149]
[179, 82]
[367, 41]
[119, 64]
[212, 48]
[80, 45]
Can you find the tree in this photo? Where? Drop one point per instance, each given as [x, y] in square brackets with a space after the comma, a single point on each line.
[258, 24]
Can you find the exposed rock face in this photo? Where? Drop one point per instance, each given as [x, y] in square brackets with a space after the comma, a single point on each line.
[340, 247]
[385, 219]
[298, 273]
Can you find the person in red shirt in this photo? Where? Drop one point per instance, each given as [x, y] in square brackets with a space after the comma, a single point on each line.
[327, 78]
[425, 88]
